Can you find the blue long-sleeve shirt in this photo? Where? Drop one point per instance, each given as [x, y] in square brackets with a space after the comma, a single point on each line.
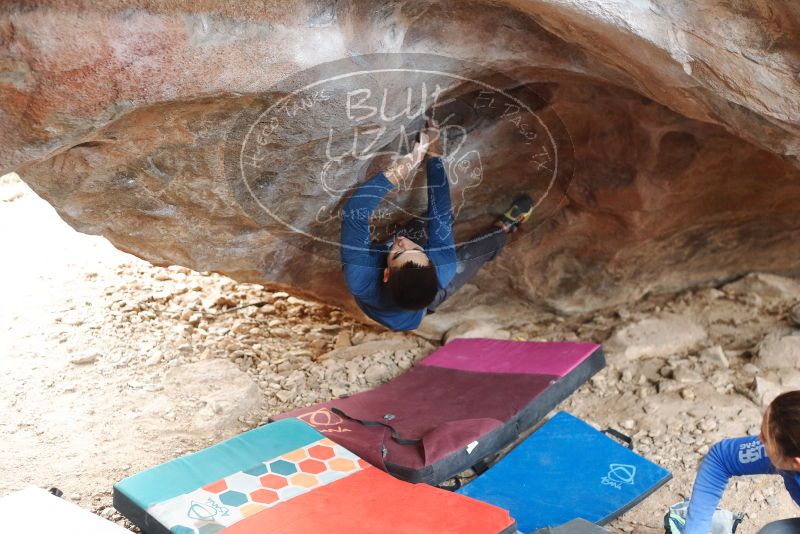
[726, 459]
[363, 263]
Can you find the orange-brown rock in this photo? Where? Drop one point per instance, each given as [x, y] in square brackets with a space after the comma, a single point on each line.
[680, 130]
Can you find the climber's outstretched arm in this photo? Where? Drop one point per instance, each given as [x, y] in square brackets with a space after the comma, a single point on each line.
[361, 265]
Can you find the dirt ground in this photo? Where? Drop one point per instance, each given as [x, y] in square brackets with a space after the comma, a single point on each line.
[109, 365]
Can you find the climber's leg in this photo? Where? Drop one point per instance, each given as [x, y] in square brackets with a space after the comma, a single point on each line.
[471, 256]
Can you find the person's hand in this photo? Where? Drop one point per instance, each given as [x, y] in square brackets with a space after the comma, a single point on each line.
[402, 169]
[399, 172]
[419, 150]
[434, 134]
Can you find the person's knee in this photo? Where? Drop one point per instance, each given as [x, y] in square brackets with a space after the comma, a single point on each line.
[439, 299]
[784, 526]
[499, 241]
[502, 239]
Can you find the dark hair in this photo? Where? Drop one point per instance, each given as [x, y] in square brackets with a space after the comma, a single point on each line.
[413, 286]
[784, 423]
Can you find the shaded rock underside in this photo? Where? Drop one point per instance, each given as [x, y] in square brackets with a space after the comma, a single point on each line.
[679, 127]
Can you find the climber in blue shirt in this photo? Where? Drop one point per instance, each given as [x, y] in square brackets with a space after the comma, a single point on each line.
[396, 283]
[775, 452]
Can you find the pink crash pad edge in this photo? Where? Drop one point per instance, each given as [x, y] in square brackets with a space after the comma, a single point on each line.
[484, 355]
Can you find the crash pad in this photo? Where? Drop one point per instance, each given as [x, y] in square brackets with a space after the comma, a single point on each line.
[286, 478]
[36, 510]
[576, 526]
[460, 405]
[565, 470]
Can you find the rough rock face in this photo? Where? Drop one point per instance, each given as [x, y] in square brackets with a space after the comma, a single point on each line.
[679, 133]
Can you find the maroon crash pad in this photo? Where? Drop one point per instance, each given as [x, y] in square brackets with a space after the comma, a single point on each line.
[460, 405]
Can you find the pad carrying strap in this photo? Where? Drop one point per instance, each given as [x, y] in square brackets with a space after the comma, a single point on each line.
[626, 440]
[395, 435]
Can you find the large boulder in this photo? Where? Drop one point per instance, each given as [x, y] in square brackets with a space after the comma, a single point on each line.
[673, 160]
[766, 287]
[664, 335]
[779, 350]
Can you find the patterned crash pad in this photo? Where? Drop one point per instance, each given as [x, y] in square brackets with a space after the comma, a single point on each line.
[288, 478]
[36, 510]
[461, 404]
[567, 470]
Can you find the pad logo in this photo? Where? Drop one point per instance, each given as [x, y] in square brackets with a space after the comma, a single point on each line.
[321, 417]
[751, 452]
[324, 418]
[206, 512]
[619, 474]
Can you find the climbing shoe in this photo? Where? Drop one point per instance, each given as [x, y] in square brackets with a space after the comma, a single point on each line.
[519, 212]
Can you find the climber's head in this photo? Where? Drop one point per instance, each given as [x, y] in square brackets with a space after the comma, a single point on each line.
[410, 275]
[780, 431]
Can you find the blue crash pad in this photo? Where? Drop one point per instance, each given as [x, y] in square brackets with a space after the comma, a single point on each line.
[567, 470]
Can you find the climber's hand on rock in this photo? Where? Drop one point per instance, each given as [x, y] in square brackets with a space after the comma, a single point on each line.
[434, 134]
[400, 172]
[402, 169]
[421, 148]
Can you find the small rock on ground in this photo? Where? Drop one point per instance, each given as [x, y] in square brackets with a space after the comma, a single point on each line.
[794, 315]
[476, 328]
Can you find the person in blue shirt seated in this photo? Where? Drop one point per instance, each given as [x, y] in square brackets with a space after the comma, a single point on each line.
[396, 283]
[775, 452]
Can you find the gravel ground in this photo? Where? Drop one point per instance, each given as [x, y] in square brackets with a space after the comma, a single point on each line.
[111, 365]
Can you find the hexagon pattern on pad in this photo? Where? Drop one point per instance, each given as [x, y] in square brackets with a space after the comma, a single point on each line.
[249, 491]
[283, 478]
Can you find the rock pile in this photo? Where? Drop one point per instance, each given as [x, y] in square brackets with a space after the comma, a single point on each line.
[134, 365]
